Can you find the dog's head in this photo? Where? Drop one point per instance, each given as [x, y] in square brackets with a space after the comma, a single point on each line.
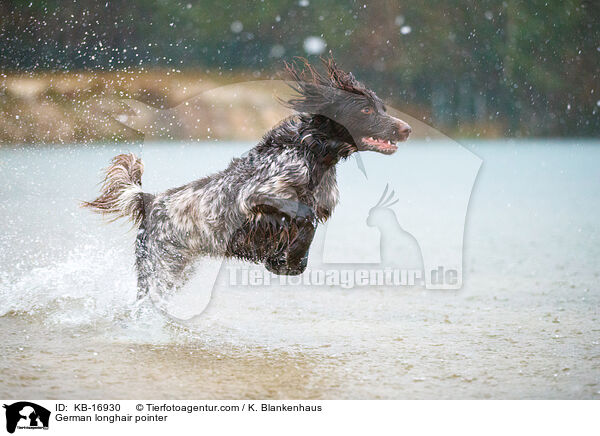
[360, 116]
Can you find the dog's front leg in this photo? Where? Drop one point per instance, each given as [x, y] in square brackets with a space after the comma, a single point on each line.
[294, 210]
[293, 260]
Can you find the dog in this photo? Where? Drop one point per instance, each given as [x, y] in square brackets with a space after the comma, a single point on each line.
[265, 206]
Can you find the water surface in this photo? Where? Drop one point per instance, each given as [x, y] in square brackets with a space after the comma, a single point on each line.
[524, 325]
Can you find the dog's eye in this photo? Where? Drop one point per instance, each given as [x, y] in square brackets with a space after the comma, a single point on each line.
[367, 110]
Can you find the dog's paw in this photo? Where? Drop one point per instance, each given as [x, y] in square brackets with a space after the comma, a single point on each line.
[305, 215]
[279, 266]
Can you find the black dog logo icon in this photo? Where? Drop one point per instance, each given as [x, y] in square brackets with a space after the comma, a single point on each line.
[26, 415]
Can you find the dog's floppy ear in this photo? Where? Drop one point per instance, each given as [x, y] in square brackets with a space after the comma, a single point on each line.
[340, 79]
[313, 91]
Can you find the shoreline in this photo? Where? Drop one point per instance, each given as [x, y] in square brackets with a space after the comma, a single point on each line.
[116, 106]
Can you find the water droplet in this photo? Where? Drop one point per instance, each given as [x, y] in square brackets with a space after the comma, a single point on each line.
[237, 26]
[314, 45]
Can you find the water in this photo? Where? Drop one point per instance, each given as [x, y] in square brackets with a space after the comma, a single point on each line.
[524, 324]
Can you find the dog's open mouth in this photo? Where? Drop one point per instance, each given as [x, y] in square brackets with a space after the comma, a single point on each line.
[384, 146]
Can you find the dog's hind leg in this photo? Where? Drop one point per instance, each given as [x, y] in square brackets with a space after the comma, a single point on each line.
[162, 267]
[143, 264]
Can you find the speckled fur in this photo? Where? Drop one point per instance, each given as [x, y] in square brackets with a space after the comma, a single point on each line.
[264, 207]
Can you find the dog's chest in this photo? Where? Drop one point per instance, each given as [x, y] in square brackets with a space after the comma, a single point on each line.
[326, 193]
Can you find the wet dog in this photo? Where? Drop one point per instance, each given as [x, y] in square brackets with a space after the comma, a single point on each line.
[264, 207]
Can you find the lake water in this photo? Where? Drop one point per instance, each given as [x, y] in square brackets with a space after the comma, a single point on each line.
[525, 323]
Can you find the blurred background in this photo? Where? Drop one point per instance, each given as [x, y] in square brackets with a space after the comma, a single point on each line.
[165, 78]
[471, 69]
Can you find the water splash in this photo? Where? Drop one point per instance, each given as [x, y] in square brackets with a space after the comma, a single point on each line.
[91, 283]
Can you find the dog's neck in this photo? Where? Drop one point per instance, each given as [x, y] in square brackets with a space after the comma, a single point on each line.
[322, 140]
[325, 141]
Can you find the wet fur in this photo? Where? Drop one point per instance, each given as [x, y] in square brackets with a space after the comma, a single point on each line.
[265, 206]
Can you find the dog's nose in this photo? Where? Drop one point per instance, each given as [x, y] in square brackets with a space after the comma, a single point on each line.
[404, 129]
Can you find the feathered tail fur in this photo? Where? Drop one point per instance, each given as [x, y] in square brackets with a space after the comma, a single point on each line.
[121, 193]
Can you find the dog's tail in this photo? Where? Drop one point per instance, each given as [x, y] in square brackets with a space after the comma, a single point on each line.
[121, 194]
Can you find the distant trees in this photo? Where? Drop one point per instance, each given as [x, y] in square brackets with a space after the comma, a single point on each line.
[524, 67]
